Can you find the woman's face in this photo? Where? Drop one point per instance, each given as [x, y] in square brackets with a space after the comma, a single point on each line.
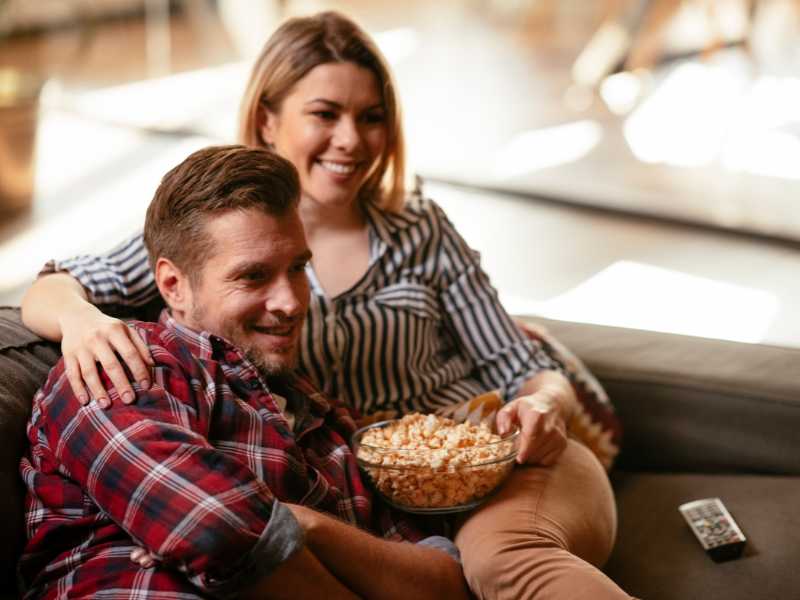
[332, 126]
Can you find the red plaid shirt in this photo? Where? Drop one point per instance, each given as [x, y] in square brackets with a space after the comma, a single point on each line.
[195, 471]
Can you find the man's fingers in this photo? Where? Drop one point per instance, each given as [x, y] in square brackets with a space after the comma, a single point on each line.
[142, 557]
[136, 554]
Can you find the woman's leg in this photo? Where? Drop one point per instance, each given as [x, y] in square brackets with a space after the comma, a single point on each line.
[545, 534]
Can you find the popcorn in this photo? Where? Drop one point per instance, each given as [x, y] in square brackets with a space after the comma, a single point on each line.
[430, 461]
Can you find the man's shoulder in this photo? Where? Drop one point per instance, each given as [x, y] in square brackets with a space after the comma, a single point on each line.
[164, 347]
[150, 331]
[165, 343]
[173, 376]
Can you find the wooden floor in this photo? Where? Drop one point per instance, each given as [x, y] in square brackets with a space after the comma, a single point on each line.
[557, 190]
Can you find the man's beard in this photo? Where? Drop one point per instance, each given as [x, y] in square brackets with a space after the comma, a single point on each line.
[268, 364]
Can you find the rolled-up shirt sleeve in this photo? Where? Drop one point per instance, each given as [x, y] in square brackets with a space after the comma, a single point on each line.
[151, 468]
[503, 357]
[120, 277]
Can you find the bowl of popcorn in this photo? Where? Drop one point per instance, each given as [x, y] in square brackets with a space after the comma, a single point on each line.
[431, 464]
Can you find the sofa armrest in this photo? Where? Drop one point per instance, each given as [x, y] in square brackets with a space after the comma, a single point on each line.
[693, 404]
[25, 360]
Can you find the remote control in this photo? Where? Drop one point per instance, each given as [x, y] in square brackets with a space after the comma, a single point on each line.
[713, 526]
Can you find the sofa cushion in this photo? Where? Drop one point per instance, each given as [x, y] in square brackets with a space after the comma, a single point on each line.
[25, 360]
[657, 557]
[692, 404]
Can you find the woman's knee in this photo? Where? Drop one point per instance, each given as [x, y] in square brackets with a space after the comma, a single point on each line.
[568, 506]
[553, 525]
[538, 570]
[579, 505]
[496, 562]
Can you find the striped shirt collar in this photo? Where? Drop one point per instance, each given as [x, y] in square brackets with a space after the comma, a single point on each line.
[384, 227]
[387, 224]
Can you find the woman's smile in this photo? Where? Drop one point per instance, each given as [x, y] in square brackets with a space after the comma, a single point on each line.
[332, 126]
[343, 169]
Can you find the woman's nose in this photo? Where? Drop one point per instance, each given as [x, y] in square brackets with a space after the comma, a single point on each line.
[347, 135]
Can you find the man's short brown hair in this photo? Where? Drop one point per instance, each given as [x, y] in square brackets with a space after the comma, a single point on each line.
[212, 181]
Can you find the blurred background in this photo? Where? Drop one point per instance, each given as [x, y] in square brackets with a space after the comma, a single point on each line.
[623, 162]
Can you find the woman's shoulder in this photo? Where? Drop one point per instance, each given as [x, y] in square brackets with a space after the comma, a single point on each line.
[423, 206]
[419, 219]
[417, 211]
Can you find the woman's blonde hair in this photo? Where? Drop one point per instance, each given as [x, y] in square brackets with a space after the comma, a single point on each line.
[296, 47]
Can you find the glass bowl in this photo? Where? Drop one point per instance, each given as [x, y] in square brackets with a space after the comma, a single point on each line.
[434, 480]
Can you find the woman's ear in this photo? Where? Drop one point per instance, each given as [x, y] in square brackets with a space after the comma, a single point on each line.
[174, 286]
[267, 125]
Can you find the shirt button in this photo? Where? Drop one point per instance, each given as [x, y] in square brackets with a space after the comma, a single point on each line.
[254, 384]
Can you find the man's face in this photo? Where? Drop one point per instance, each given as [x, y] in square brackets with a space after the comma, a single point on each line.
[253, 290]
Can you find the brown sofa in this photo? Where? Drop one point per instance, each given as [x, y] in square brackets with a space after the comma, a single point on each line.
[702, 418]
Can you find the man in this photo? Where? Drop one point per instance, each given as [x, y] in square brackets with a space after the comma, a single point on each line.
[224, 467]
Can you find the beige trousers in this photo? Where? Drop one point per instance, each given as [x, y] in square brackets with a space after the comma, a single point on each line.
[545, 534]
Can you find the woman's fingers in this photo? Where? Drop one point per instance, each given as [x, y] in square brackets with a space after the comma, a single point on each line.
[73, 371]
[91, 378]
[111, 343]
[551, 445]
[542, 435]
[531, 427]
[107, 357]
[142, 348]
[504, 419]
[125, 343]
[549, 459]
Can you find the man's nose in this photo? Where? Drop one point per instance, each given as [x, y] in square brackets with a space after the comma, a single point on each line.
[287, 298]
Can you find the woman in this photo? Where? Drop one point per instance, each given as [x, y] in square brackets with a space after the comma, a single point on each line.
[401, 318]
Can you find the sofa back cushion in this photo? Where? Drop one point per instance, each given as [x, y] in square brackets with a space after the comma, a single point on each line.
[691, 404]
[25, 360]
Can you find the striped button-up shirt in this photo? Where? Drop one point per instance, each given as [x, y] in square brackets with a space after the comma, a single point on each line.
[196, 471]
[422, 329]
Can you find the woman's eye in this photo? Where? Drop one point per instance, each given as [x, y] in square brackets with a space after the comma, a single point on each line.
[375, 117]
[325, 115]
[299, 267]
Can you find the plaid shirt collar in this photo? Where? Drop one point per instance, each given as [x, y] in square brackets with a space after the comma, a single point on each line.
[208, 346]
[202, 343]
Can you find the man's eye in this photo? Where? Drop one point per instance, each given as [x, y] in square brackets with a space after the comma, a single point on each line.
[253, 276]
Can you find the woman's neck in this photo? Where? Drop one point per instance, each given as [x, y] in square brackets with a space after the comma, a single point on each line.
[339, 238]
[321, 220]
